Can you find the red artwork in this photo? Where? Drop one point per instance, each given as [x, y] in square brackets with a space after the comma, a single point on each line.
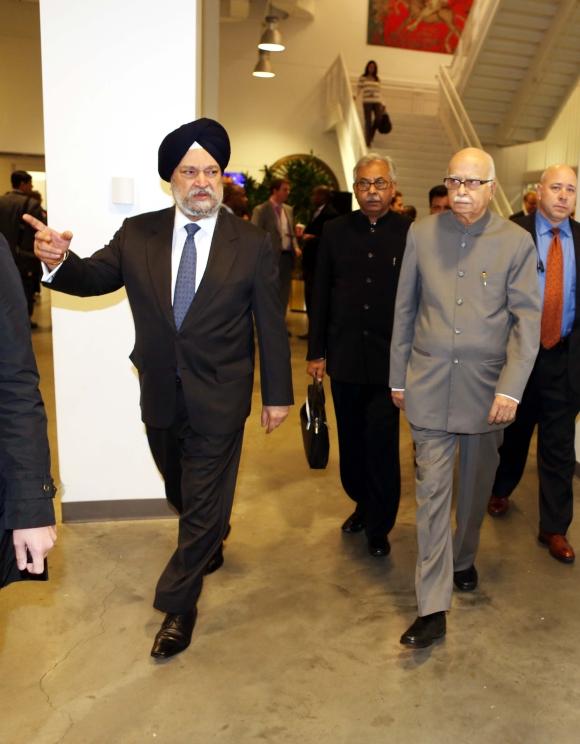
[427, 25]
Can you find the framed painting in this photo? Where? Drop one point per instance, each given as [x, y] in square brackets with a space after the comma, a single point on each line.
[425, 25]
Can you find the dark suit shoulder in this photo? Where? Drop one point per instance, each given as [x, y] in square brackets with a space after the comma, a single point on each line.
[152, 218]
[242, 228]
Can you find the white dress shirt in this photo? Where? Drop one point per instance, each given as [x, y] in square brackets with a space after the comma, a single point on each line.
[203, 238]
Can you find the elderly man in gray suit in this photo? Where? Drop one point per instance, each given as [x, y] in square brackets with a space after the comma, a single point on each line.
[466, 333]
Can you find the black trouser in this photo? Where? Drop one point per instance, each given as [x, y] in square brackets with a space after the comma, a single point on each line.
[200, 477]
[372, 111]
[368, 442]
[548, 402]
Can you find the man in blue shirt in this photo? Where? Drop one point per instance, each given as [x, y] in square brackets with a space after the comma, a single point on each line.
[552, 396]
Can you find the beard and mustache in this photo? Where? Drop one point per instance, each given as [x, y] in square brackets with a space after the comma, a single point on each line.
[191, 205]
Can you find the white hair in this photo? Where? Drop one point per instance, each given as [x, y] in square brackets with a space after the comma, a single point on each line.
[373, 157]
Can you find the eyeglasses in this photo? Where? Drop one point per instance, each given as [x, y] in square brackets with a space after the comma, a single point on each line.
[210, 172]
[380, 184]
[471, 184]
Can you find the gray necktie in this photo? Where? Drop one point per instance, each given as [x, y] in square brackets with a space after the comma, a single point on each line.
[185, 283]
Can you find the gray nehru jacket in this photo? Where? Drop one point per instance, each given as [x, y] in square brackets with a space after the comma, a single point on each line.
[467, 320]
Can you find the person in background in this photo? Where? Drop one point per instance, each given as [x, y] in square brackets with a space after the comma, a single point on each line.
[19, 235]
[27, 521]
[530, 204]
[465, 336]
[410, 211]
[438, 199]
[323, 211]
[350, 331]
[277, 219]
[235, 200]
[397, 203]
[369, 90]
[552, 396]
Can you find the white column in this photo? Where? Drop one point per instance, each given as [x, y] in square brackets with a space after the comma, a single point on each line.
[117, 77]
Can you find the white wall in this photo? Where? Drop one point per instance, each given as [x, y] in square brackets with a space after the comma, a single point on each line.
[271, 118]
[115, 82]
[20, 79]
[561, 145]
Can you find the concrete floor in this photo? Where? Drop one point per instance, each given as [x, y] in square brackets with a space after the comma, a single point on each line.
[298, 635]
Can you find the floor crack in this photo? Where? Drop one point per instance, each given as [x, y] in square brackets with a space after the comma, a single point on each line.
[68, 654]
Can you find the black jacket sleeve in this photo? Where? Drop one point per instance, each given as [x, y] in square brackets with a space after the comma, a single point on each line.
[26, 488]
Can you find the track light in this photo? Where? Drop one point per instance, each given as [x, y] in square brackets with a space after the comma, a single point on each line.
[271, 40]
[263, 67]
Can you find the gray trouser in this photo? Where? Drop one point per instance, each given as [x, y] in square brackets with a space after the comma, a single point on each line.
[439, 555]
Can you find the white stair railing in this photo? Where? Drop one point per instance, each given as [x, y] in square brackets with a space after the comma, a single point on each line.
[341, 114]
[461, 132]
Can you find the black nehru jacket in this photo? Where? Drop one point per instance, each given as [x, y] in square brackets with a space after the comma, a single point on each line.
[354, 296]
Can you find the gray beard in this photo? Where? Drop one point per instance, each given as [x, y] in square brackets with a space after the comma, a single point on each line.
[197, 212]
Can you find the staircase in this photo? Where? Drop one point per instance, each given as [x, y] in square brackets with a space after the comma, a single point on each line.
[420, 150]
[516, 65]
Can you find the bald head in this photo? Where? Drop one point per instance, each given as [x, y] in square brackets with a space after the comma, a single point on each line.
[557, 193]
[469, 196]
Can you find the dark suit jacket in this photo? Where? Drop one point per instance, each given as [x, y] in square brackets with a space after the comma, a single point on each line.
[517, 216]
[528, 222]
[314, 227]
[26, 489]
[19, 235]
[354, 293]
[213, 352]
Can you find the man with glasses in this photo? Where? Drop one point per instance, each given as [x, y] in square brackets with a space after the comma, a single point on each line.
[552, 396]
[465, 338]
[350, 331]
[198, 279]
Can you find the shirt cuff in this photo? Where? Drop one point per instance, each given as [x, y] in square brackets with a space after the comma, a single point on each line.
[47, 274]
[397, 390]
[511, 397]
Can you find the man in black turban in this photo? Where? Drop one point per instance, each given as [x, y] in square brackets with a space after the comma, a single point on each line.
[198, 279]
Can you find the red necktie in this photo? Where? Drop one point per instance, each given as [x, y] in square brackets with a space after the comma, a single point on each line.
[553, 293]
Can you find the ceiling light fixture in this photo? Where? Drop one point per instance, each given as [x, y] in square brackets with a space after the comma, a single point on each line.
[263, 67]
[271, 40]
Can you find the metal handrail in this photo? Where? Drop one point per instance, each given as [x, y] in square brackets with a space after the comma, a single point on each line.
[469, 137]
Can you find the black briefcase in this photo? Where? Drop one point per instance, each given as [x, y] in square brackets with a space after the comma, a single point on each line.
[314, 427]
[384, 124]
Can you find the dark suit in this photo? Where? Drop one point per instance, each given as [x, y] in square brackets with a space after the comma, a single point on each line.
[196, 383]
[551, 400]
[20, 237]
[26, 489]
[351, 323]
[310, 249]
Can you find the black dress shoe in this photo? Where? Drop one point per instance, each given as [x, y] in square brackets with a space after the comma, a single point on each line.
[379, 547]
[425, 630]
[353, 524]
[174, 635]
[466, 580]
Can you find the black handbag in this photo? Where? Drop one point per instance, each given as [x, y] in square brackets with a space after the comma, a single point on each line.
[384, 124]
[314, 427]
